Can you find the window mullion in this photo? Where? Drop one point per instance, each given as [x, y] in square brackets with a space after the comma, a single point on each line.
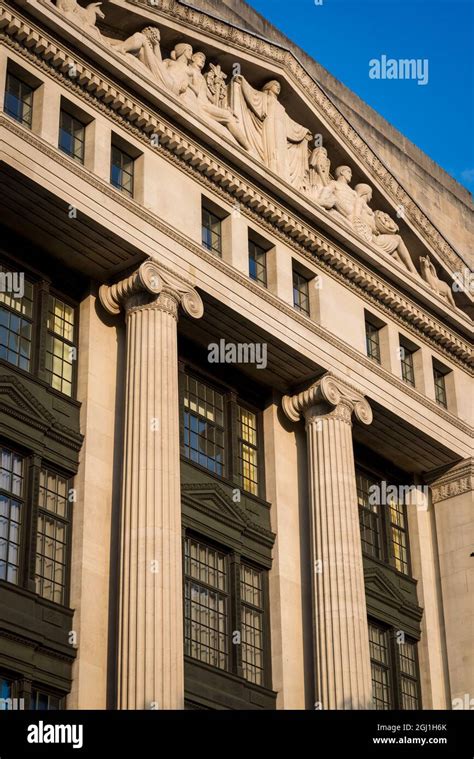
[235, 616]
[40, 333]
[31, 523]
[395, 657]
[232, 439]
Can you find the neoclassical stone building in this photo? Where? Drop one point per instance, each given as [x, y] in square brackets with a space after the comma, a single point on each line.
[234, 375]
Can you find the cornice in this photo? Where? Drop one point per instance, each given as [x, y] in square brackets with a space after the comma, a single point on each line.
[264, 49]
[458, 480]
[180, 150]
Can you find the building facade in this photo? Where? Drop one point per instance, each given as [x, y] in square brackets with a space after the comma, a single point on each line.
[235, 406]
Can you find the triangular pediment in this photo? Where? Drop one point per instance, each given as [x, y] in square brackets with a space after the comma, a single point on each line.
[16, 399]
[253, 103]
[380, 587]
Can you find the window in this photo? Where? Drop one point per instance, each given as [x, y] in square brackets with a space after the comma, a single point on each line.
[220, 434]
[12, 485]
[394, 664]
[380, 665]
[257, 263]
[406, 360]
[60, 347]
[382, 519]
[18, 101]
[27, 320]
[248, 450]
[16, 315]
[300, 292]
[50, 543]
[398, 536]
[372, 341]
[408, 675]
[121, 170]
[52, 536]
[18, 692]
[251, 593]
[206, 604]
[71, 136]
[210, 604]
[211, 231]
[204, 425]
[440, 387]
[369, 516]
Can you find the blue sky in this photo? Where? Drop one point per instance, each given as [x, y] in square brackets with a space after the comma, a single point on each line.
[344, 35]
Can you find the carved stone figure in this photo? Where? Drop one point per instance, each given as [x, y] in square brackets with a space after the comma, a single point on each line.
[339, 197]
[84, 17]
[428, 272]
[319, 168]
[274, 138]
[377, 227]
[200, 97]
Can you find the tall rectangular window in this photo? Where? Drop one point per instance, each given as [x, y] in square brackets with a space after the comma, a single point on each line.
[16, 323]
[300, 292]
[52, 536]
[380, 666]
[251, 592]
[398, 535]
[211, 231]
[121, 170]
[206, 611]
[18, 102]
[12, 485]
[60, 345]
[203, 431]
[257, 263]
[408, 675]
[248, 450]
[440, 387]
[406, 360]
[71, 136]
[372, 341]
[369, 516]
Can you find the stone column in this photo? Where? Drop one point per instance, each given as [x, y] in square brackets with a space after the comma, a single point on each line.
[340, 631]
[150, 647]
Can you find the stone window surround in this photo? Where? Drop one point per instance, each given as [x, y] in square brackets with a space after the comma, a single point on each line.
[231, 402]
[443, 330]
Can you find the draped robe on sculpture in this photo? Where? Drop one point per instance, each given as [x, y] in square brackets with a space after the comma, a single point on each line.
[274, 138]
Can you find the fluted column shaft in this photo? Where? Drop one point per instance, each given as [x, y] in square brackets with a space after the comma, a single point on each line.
[340, 629]
[150, 645]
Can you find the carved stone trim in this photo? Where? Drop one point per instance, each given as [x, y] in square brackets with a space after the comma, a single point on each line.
[151, 280]
[177, 148]
[328, 391]
[459, 480]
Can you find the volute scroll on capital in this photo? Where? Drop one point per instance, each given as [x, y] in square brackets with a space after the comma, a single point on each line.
[332, 391]
[152, 280]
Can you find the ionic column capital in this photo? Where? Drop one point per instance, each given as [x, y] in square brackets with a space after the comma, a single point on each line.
[151, 286]
[342, 399]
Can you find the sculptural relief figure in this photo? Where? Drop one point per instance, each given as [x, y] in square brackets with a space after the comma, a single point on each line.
[201, 98]
[273, 137]
[319, 172]
[428, 272]
[338, 197]
[377, 227]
